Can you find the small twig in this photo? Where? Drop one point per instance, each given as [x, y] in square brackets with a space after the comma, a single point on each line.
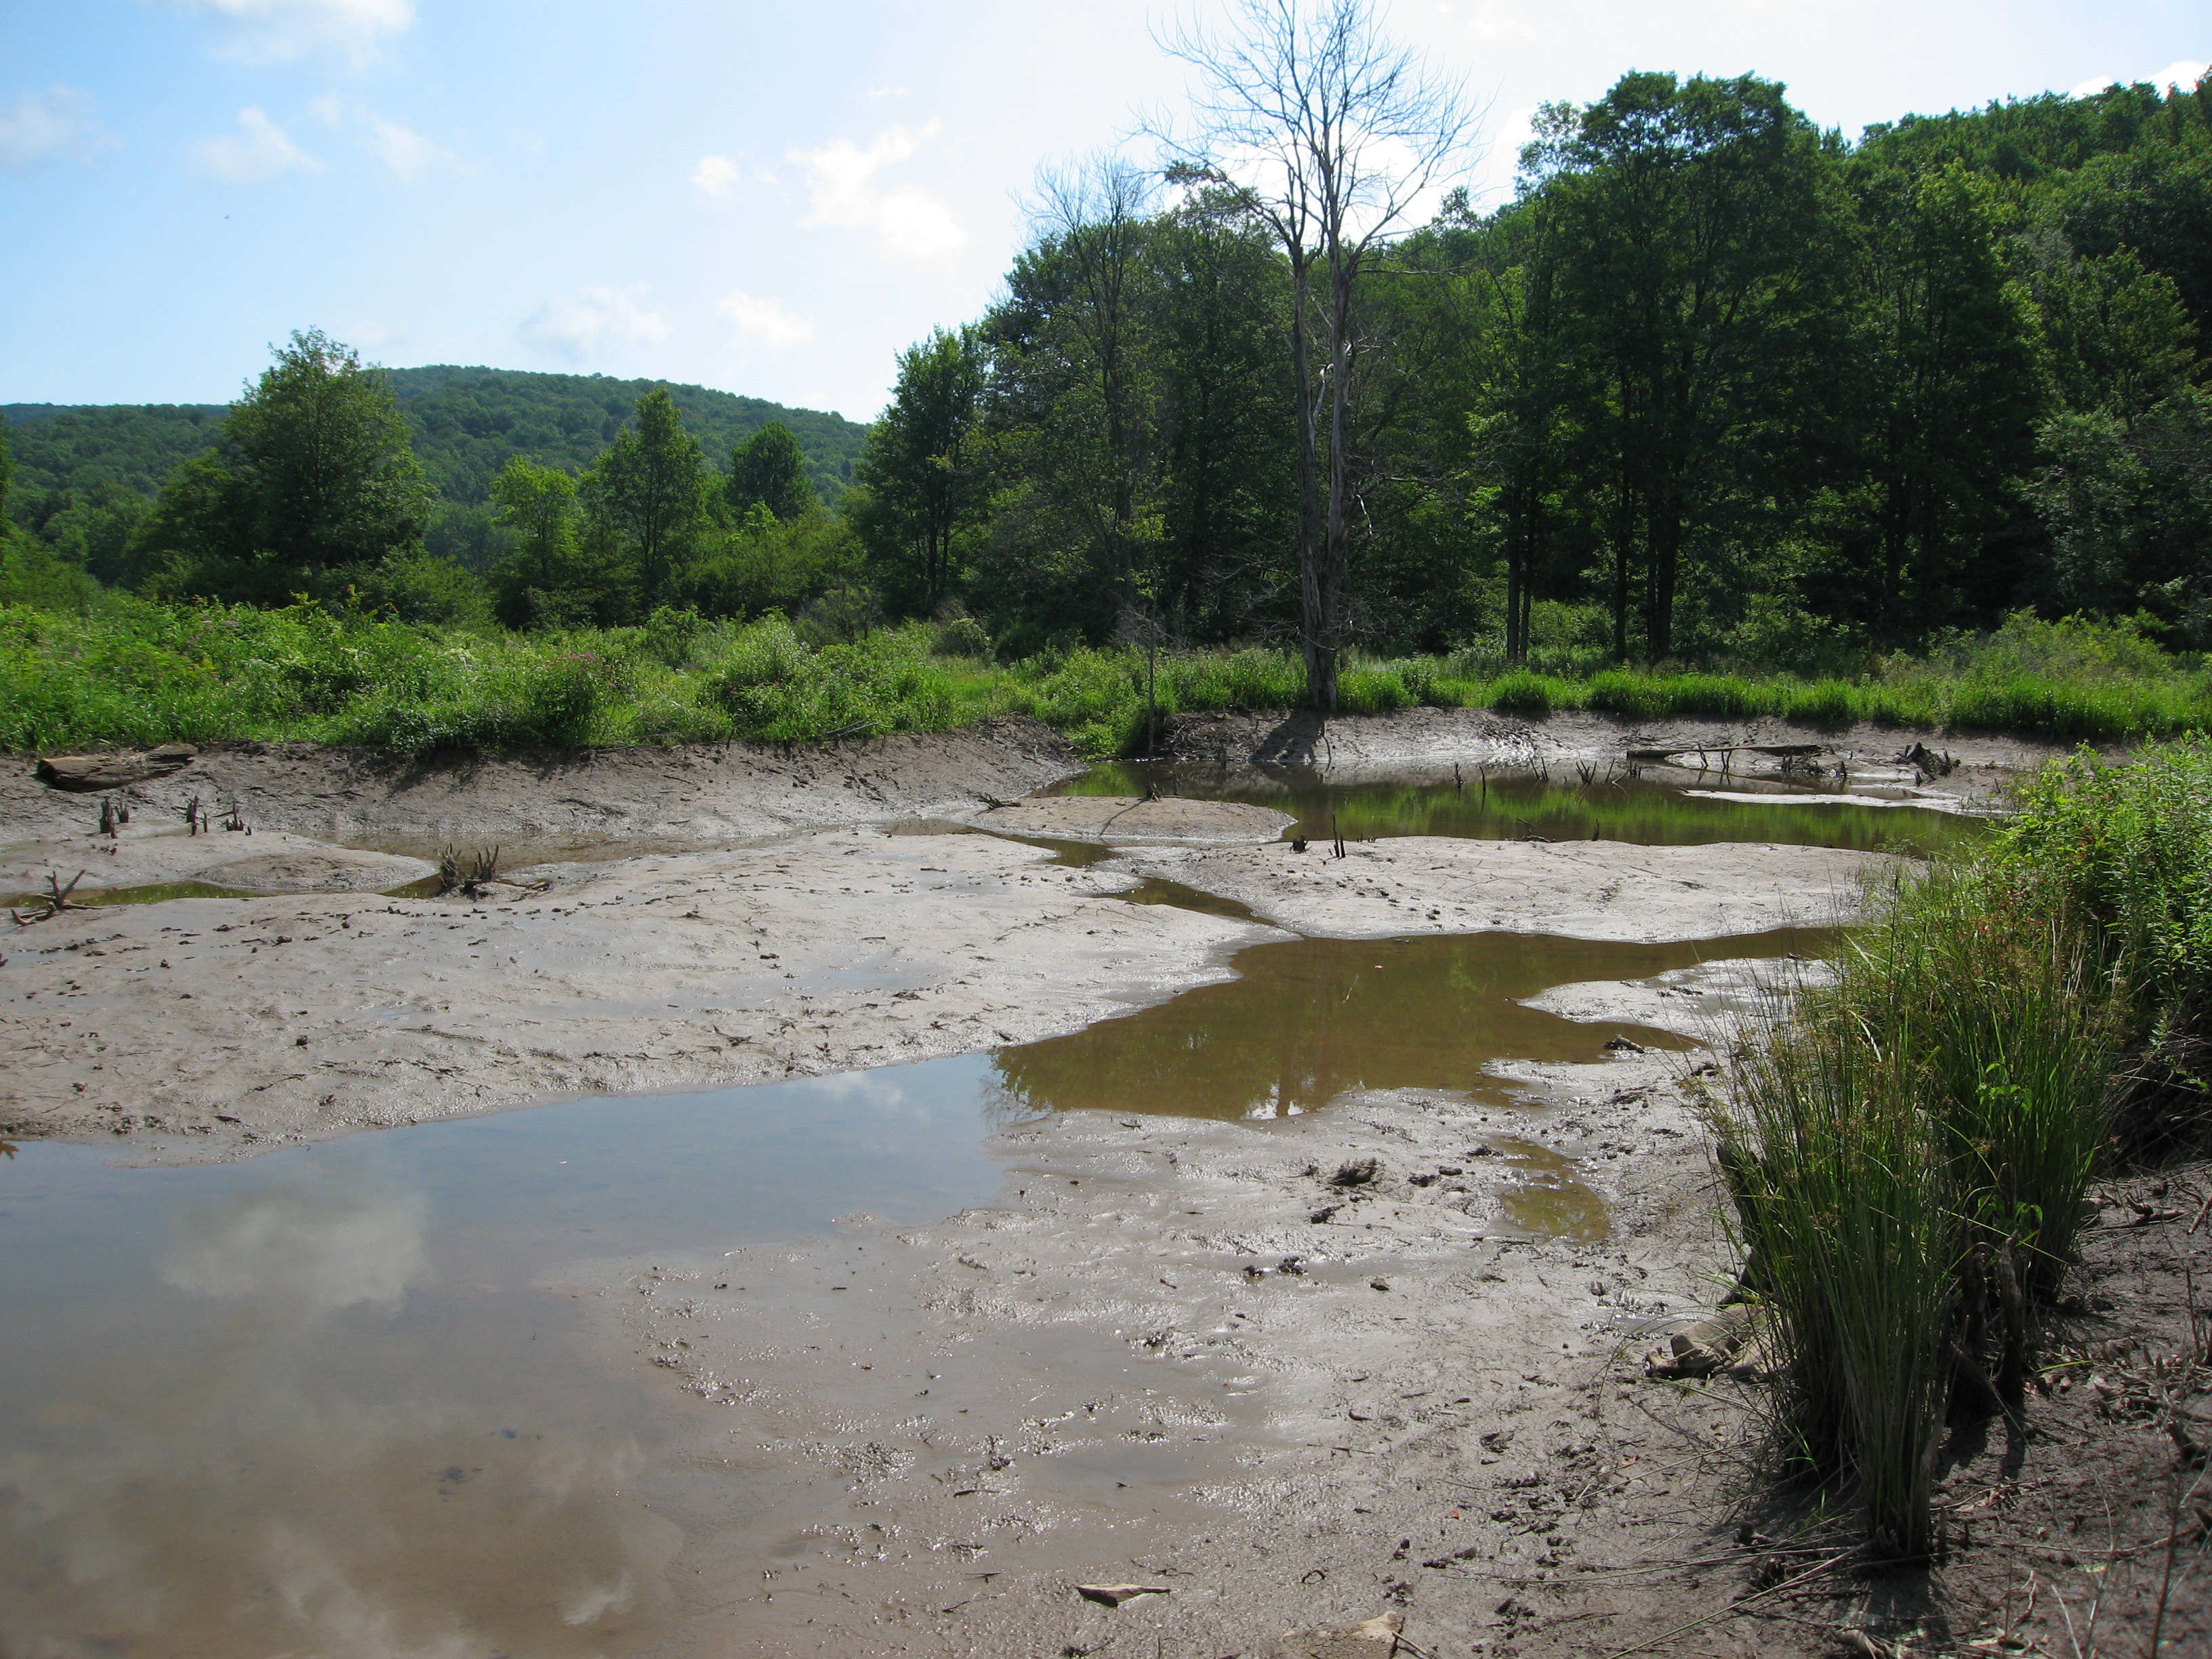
[1728, 1611]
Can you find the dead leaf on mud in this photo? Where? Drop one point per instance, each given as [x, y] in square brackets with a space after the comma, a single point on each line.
[1372, 1638]
[1112, 1595]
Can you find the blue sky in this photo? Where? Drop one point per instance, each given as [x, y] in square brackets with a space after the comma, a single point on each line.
[772, 199]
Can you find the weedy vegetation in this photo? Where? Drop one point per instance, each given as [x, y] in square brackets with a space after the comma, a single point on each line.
[1910, 1146]
[129, 671]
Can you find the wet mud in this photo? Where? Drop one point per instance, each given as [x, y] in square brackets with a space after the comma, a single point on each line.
[1039, 1214]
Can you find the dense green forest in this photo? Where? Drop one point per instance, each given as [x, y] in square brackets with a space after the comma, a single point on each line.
[85, 474]
[1715, 391]
[1716, 385]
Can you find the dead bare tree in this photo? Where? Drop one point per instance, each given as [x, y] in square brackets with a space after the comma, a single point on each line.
[1328, 134]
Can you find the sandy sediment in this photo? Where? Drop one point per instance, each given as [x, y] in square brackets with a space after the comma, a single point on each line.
[1597, 889]
[144, 853]
[288, 1017]
[307, 1016]
[1122, 821]
[1295, 1373]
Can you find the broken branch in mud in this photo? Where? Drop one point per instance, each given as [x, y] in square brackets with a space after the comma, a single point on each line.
[57, 899]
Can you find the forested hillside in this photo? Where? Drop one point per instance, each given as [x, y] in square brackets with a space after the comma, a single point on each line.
[84, 475]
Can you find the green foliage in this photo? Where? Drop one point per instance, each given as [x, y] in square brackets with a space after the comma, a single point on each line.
[1909, 1146]
[408, 658]
[314, 482]
[766, 565]
[2129, 849]
[645, 497]
[466, 424]
[921, 470]
[769, 470]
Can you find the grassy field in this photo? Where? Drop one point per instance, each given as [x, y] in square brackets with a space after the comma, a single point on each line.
[1910, 1146]
[129, 671]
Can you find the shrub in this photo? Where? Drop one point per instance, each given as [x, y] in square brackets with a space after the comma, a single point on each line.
[1372, 691]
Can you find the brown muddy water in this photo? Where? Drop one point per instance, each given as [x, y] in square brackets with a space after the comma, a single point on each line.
[1309, 1021]
[1508, 805]
[339, 1399]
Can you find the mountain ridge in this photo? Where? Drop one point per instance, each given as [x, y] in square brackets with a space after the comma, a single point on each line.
[466, 420]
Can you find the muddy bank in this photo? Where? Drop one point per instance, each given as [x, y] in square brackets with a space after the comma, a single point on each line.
[214, 1022]
[263, 1020]
[1594, 889]
[1376, 1360]
[1424, 744]
[536, 805]
[1120, 821]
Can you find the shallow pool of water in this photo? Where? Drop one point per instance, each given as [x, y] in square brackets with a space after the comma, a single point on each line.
[327, 1401]
[1308, 1020]
[154, 892]
[1507, 806]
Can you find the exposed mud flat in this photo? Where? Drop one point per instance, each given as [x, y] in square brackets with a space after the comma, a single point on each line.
[1294, 1367]
[263, 1020]
[1375, 1359]
[1116, 821]
[1583, 889]
[144, 853]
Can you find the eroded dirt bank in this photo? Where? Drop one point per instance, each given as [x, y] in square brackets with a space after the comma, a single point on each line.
[681, 797]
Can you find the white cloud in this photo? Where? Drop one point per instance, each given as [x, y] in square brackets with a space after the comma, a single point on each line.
[277, 31]
[766, 320]
[907, 219]
[405, 151]
[260, 149]
[1495, 173]
[716, 175]
[1493, 21]
[580, 326]
[2183, 72]
[56, 124]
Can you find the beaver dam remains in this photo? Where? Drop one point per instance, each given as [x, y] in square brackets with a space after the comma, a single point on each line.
[1008, 1235]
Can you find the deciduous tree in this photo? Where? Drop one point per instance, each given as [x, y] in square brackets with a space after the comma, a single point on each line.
[769, 469]
[647, 495]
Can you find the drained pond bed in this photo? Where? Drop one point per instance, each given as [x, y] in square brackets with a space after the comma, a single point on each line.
[267, 1398]
[1185, 1241]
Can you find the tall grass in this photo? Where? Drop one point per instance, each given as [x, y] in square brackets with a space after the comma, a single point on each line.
[1855, 1247]
[1909, 1146]
[126, 671]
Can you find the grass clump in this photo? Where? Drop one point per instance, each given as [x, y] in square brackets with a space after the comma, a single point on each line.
[1909, 1146]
